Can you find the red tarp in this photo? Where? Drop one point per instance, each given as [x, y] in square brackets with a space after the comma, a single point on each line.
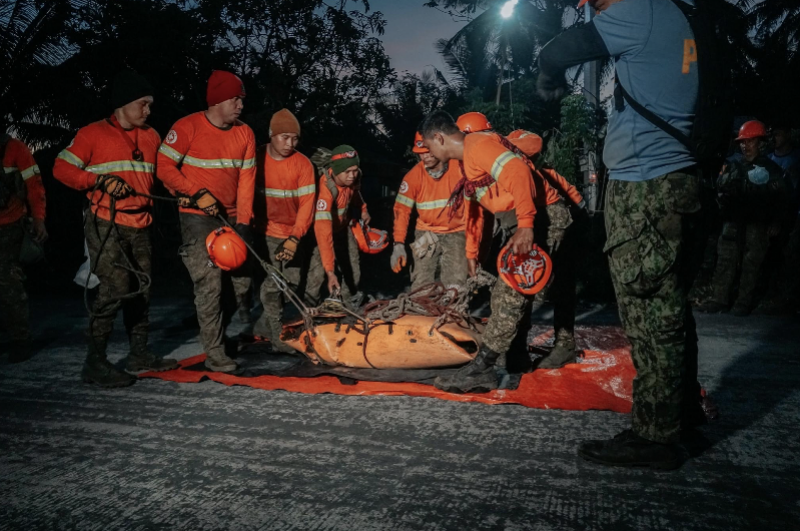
[602, 379]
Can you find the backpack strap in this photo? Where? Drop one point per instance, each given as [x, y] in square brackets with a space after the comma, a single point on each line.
[688, 12]
[655, 119]
[332, 187]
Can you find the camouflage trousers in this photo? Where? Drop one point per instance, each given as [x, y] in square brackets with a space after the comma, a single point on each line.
[216, 292]
[654, 250]
[745, 244]
[271, 298]
[113, 249]
[347, 268]
[13, 298]
[449, 257]
[510, 320]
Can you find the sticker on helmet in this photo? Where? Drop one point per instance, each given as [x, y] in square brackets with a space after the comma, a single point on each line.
[403, 187]
[172, 136]
[322, 204]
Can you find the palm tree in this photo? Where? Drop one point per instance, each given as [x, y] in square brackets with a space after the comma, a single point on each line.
[491, 47]
[32, 45]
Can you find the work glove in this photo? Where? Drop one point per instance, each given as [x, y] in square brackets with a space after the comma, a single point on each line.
[399, 258]
[472, 267]
[334, 288]
[115, 186]
[206, 202]
[551, 88]
[39, 230]
[287, 249]
[184, 201]
[245, 233]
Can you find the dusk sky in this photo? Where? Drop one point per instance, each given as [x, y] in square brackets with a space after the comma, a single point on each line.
[411, 32]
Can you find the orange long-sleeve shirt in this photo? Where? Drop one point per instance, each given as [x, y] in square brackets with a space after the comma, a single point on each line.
[430, 197]
[196, 155]
[332, 217]
[100, 149]
[18, 158]
[550, 185]
[513, 187]
[288, 188]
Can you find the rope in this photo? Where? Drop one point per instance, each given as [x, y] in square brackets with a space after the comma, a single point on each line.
[144, 280]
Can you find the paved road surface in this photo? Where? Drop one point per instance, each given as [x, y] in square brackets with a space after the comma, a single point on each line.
[161, 455]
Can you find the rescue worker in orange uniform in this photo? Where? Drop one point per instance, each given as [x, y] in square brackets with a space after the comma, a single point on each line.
[502, 182]
[440, 239]
[285, 179]
[210, 158]
[114, 160]
[339, 203]
[555, 235]
[21, 196]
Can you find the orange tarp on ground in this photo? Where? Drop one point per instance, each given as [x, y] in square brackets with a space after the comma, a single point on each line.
[602, 380]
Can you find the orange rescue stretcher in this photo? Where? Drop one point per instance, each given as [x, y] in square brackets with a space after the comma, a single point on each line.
[408, 342]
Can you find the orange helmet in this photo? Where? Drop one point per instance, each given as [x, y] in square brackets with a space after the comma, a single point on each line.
[370, 241]
[752, 129]
[226, 249]
[419, 145]
[473, 122]
[526, 273]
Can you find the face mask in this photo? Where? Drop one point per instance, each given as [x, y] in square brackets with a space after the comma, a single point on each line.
[438, 174]
[758, 175]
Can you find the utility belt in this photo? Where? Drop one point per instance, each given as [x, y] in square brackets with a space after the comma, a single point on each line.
[145, 209]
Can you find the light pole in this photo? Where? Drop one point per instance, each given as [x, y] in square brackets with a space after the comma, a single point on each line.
[505, 12]
[591, 92]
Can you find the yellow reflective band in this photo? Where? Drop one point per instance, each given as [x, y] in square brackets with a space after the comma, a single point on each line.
[307, 190]
[30, 172]
[342, 211]
[284, 194]
[500, 163]
[170, 152]
[432, 205]
[68, 156]
[480, 192]
[9, 169]
[213, 164]
[122, 165]
[323, 216]
[249, 163]
[406, 201]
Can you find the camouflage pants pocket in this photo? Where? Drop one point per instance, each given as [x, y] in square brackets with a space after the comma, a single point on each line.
[640, 257]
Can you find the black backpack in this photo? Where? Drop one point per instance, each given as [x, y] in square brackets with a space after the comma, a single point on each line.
[713, 121]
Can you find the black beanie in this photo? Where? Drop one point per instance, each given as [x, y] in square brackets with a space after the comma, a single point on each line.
[128, 86]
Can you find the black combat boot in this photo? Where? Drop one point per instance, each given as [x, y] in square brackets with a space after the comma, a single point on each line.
[563, 353]
[141, 359]
[628, 449]
[275, 329]
[478, 376]
[220, 362]
[98, 370]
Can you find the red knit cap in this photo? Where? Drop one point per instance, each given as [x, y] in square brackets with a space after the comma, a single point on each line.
[223, 86]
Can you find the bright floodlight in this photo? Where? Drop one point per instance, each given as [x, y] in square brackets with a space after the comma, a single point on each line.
[508, 8]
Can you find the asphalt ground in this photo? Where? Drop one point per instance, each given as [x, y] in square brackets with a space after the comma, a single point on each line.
[162, 455]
